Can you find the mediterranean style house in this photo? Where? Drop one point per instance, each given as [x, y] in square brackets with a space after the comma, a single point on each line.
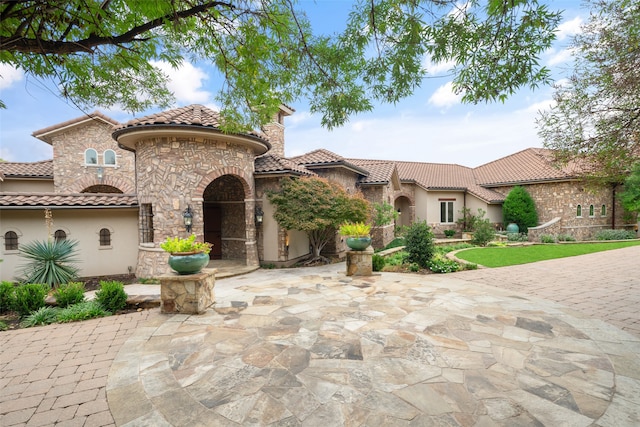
[121, 189]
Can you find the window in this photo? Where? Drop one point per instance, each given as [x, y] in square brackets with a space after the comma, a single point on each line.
[60, 236]
[105, 237]
[592, 211]
[10, 241]
[446, 212]
[90, 157]
[146, 223]
[579, 211]
[603, 212]
[110, 157]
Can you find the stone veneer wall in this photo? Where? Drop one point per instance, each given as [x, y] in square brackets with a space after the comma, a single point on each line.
[173, 173]
[560, 199]
[71, 175]
[382, 236]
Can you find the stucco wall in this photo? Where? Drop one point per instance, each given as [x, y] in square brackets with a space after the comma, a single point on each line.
[26, 186]
[82, 225]
[70, 173]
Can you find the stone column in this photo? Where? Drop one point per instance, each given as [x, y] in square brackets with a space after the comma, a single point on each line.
[189, 293]
[250, 232]
[360, 263]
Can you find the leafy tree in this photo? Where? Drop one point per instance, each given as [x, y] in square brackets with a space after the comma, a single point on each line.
[630, 197]
[317, 207]
[419, 244]
[595, 122]
[383, 214]
[103, 52]
[519, 208]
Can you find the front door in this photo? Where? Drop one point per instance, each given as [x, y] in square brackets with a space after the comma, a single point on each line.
[213, 229]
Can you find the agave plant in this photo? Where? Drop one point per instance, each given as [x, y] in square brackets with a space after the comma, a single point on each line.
[49, 262]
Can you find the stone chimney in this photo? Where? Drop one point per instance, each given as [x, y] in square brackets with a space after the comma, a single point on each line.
[275, 130]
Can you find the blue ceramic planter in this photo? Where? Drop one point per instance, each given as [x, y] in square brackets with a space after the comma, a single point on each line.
[358, 243]
[188, 263]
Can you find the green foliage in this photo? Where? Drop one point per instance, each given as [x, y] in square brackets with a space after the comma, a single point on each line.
[630, 197]
[468, 221]
[50, 262]
[396, 258]
[519, 208]
[441, 264]
[111, 296]
[7, 296]
[384, 214]
[419, 244]
[317, 207]
[517, 237]
[355, 229]
[547, 238]
[594, 122]
[484, 232]
[82, 311]
[378, 262]
[40, 317]
[449, 233]
[397, 242]
[3, 326]
[69, 293]
[268, 266]
[111, 53]
[566, 238]
[414, 267]
[615, 235]
[445, 249]
[177, 245]
[29, 297]
[469, 266]
[148, 280]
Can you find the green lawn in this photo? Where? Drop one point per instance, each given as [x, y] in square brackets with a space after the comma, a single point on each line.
[513, 255]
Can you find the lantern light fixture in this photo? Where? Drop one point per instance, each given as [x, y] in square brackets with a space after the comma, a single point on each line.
[187, 217]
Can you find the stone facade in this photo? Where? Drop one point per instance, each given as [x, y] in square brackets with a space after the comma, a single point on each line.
[72, 175]
[382, 236]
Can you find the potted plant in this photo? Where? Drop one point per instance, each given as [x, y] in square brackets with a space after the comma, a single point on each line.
[186, 256]
[357, 234]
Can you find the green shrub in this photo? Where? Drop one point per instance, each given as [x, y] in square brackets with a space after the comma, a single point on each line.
[397, 258]
[29, 298]
[440, 264]
[69, 293]
[50, 262]
[82, 311]
[449, 233]
[566, 238]
[519, 208]
[517, 237]
[484, 232]
[7, 296]
[3, 325]
[414, 267]
[469, 266]
[419, 246]
[383, 214]
[615, 235]
[378, 262]
[547, 238]
[40, 317]
[112, 296]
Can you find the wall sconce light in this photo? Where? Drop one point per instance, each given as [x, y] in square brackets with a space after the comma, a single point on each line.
[187, 217]
[399, 212]
[100, 173]
[259, 215]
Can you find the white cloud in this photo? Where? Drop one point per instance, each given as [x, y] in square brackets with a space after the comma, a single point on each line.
[6, 154]
[444, 96]
[435, 68]
[9, 75]
[186, 82]
[569, 28]
[559, 56]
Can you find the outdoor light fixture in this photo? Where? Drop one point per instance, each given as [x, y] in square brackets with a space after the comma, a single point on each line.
[399, 212]
[259, 215]
[187, 216]
[100, 173]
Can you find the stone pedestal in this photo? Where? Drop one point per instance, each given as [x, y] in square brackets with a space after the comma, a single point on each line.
[360, 263]
[187, 294]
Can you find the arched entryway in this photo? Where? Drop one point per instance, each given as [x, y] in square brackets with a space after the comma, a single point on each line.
[224, 218]
[402, 205]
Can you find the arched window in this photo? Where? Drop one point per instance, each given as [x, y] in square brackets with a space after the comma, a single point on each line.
[10, 241]
[579, 211]
[592, 211]
[60, 235]
[110, 157]
[603, 212]
[90, 157]
[105, 237]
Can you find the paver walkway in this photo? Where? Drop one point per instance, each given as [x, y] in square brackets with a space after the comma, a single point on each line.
[315, 348]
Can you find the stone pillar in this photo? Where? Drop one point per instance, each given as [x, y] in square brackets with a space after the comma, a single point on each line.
[189, 293]
[360, 263]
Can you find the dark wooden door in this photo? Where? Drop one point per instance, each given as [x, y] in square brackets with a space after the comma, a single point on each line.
[213, 230]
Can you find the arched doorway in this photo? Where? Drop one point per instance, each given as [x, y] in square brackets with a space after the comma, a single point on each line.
[402, 205]
[224, 218]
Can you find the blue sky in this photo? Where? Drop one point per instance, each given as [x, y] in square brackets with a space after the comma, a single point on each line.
[430, 126]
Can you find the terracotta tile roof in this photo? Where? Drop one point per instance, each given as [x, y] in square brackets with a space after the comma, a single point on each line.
[42, 134]
[84, 200]
[271, 163]
[436, 175]
[380, 171]
[530, 165]
[324, 158]
[42, 169]
[190, 115]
